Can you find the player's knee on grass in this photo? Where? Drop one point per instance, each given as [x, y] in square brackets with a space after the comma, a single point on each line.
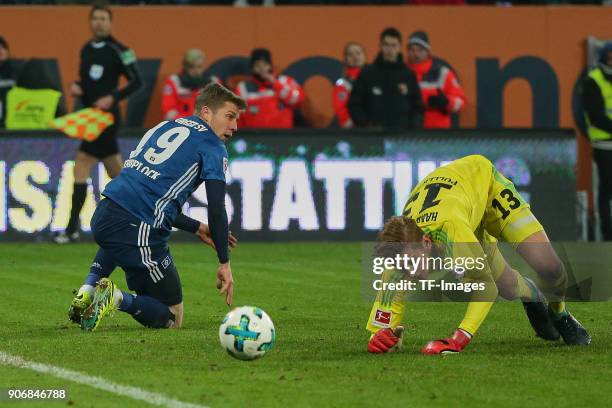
[162, 321]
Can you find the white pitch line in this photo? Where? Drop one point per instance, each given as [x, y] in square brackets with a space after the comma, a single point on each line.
[96, 382]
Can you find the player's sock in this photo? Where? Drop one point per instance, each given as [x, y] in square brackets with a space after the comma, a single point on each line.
[147, 311]
[554, 290]
[525, 291]
[126, 301]
[87, 288]
[474, 316]
[79, 193]
[557, 310]
[101, 267]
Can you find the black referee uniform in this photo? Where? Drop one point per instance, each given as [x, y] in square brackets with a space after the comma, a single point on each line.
[103, 62]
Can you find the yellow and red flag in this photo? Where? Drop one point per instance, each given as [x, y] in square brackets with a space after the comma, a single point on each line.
[86, 124]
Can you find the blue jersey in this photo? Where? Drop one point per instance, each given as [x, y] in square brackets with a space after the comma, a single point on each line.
[170, 162]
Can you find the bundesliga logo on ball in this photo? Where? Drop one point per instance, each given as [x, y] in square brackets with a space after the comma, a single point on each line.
[247, 333]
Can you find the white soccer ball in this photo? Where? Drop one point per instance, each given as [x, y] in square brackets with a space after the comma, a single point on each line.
[247, 333]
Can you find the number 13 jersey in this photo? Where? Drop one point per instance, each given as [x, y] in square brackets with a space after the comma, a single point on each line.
[170, 162]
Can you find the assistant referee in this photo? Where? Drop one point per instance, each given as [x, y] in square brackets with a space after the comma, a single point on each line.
[103, 61]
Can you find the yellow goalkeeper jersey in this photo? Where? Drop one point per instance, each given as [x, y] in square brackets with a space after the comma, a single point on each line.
[468, 199]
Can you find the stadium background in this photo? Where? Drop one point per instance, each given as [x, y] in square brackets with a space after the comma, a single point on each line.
[519, 67]
[311, 290]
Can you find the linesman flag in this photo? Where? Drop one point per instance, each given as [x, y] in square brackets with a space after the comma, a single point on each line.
[86, 124]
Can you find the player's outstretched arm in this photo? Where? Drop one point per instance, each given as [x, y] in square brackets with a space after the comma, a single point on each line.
[218, 227]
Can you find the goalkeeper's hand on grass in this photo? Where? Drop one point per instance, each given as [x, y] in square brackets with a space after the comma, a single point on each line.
[386, 340]
[450, 345]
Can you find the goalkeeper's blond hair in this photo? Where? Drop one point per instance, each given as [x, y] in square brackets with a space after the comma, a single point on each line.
[397, 230]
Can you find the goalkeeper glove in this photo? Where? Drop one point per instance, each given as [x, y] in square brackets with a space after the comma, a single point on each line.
[449, 345]
[386, 340]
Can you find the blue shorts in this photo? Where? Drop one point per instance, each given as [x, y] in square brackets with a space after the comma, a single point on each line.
[140, 250]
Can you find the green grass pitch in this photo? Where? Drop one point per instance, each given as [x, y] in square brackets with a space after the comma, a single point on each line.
[312, 293]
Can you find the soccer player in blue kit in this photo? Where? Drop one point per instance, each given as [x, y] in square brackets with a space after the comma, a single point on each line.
[133, 222]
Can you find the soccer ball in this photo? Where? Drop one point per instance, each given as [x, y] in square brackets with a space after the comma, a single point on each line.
[247, 333]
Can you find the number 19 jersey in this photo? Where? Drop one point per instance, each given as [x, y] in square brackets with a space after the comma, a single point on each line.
[170, 162]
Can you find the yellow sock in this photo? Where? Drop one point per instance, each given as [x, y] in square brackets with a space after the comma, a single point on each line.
[474, 316]
[555, 290]
[524, 290]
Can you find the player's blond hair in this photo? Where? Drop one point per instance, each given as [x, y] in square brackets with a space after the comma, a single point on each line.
[396, 234]
[215, 95]
[400, 229]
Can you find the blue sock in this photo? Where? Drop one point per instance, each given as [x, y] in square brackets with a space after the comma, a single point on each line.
[101, 267]
[126, 303]
[92, 279]
[147, 311]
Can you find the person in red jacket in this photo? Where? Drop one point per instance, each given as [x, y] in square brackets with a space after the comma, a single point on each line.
[440, 89]
[354, 60]
[181, 90]
[271, 99]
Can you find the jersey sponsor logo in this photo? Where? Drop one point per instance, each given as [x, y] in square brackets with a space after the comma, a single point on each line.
[138, 166]
[382, 318]
[376, 91]
[403, 88]
[96, 71]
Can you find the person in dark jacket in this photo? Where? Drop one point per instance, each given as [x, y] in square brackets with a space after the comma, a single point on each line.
[387, 93]
[597, 101]
[35, 74]
[8, 75]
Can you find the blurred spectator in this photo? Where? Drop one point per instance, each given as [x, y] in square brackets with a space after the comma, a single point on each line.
[597, 101]
[436, 2]
[245, 3]
[104, 60]
[442, 94]
[271, 99]
[8, 74]
[35, 100]
[181, 90]
[354, 60]
[386, 93]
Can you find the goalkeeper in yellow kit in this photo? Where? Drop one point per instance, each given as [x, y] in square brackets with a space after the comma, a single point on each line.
[463, 208]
